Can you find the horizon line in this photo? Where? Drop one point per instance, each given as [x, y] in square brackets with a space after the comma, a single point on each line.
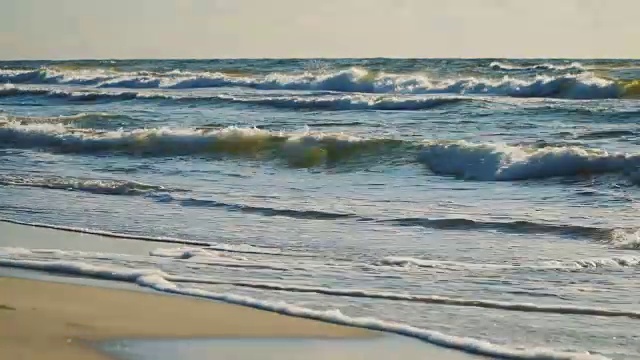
[310, 58]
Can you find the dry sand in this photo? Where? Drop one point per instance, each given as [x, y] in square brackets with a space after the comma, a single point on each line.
[53, 321]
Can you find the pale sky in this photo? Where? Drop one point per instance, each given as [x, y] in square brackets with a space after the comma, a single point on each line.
[72, 29]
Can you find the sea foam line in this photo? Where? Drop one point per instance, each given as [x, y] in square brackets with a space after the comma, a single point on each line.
[428, 299]
[157, 280]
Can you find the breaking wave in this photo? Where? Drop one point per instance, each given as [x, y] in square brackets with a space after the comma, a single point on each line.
[95, 186]
[580, 86]
[298, 149]
[161, 281]
[507, 163]
[325, 103]
[501, 66]
[474, 161]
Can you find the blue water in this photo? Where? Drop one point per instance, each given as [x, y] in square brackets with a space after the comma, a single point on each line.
[499, 196]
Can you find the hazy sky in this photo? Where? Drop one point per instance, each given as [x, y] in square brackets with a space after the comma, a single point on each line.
[48, 29]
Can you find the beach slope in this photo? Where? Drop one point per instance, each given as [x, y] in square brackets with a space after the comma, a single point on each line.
[54, 321]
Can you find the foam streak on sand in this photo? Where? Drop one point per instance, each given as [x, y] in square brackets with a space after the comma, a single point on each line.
[158, 280]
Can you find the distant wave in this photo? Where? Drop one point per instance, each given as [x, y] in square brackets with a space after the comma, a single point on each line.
[497, 65]
[349, 102]
[507, 163]
[322, 102]
[80, 119]
[161, 281]
[95, 186]
[77, 96]
[580, 86]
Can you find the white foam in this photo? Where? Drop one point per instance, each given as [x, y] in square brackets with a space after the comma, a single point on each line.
[321, 102]
[625, 239]
[298, 148]
[95, 186]
[488, 161]
[215, 258]
[558, 265]
[497, 65]
[581, 86]
[157, 280]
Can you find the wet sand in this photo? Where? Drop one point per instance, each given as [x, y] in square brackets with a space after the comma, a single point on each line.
[54, 321]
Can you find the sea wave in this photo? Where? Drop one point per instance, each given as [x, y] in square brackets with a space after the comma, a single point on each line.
[517, 227]
[161, 281]
[76, 119]
[261, 210]
[502, 66]
[488, 161]
[349, 102]
[291, 102]
[577, 265]
[475, 161]
[360, 80]
[95, 186]
[298, 149]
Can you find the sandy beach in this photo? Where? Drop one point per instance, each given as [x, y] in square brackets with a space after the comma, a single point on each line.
[45, 320]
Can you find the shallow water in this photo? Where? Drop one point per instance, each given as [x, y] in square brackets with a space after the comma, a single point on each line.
[491, 200]
[266, 349]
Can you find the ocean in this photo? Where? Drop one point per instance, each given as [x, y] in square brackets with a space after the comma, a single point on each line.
[485, 205]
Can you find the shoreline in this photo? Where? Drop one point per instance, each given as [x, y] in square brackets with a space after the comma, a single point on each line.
[41, 319]
[307, 333]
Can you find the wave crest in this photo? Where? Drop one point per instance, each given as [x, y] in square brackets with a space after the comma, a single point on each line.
[95, 186]
[504, 162]
[359, 80]
[298, 149]
[501, 66]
